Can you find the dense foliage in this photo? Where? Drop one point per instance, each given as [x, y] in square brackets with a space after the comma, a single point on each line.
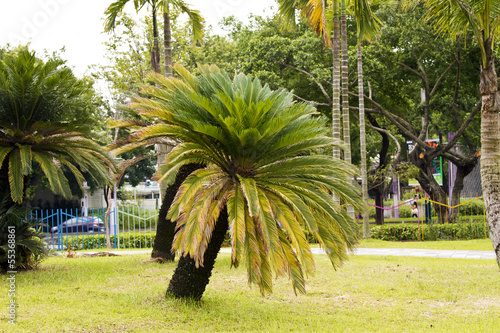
[21, 247]
[40, 107]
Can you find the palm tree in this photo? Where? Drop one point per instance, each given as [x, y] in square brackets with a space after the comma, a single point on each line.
[368, 26]
[34, 98]
[117, 7]
[315, 12]
[455, 18]
[165, 230]
[261, 178]
[196, 25]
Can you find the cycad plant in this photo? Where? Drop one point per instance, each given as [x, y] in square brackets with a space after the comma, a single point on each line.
[36, 98]
[263, 178]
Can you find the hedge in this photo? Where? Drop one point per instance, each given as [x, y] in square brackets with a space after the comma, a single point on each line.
[128, 240]
[388, 232]
[430, 232]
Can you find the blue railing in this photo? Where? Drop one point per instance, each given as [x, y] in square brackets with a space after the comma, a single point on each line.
[62, 228]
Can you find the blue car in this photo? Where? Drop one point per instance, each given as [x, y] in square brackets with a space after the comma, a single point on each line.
[86, 224]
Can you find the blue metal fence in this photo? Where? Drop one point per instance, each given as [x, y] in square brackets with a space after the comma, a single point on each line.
[72, 227]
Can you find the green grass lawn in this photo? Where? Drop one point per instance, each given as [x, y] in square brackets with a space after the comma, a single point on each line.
[366, 294]
[474, 244]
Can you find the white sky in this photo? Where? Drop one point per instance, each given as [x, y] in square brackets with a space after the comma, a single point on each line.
[77, 24]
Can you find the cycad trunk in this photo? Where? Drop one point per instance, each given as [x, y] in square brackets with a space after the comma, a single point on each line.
[490, 146]
[165, 231]
[189, 282]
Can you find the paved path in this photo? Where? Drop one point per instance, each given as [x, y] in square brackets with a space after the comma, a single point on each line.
[455, 254]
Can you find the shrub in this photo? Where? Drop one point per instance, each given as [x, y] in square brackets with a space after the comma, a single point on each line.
[127, 240]
[430, 232]
[21, 247]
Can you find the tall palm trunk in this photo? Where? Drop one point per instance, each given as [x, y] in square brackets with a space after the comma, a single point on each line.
[165, 230]
[190, 281]
[336, 79]
[490, 145]
[167, 32]
[362, 139]
[155, 52]
[345, 96]
[345, 85]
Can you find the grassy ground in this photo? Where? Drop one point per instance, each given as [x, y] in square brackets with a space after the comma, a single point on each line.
[367, 294]
[472, 245]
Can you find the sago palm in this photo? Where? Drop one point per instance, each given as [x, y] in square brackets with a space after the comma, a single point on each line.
[34, 96]
[262, 178]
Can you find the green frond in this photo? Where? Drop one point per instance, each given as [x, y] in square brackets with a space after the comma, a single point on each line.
[4, 151]
[249, 189]
[236, 211]
[189, 78]
[294, 231]
[25, 156]
[51, 171]
[294, 267]
[16, 178]
[114, 10]
[195, 18]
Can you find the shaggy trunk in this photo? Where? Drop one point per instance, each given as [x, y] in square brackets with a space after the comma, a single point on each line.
[165, 231]
[490, 146]
[188, 281]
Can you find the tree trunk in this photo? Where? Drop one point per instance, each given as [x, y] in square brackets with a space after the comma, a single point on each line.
[155, 52]
[378, 184]
[165, 230]
[436, 193]
[189, 282]
[167, 42]
[462, 172]
[345, 87]
[378, 193]
[336, 80]
[430, 185]
[362, 142]
[490, 146]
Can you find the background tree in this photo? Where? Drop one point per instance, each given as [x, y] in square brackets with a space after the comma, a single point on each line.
[116, 8]
[409, 52]
[454, 18]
